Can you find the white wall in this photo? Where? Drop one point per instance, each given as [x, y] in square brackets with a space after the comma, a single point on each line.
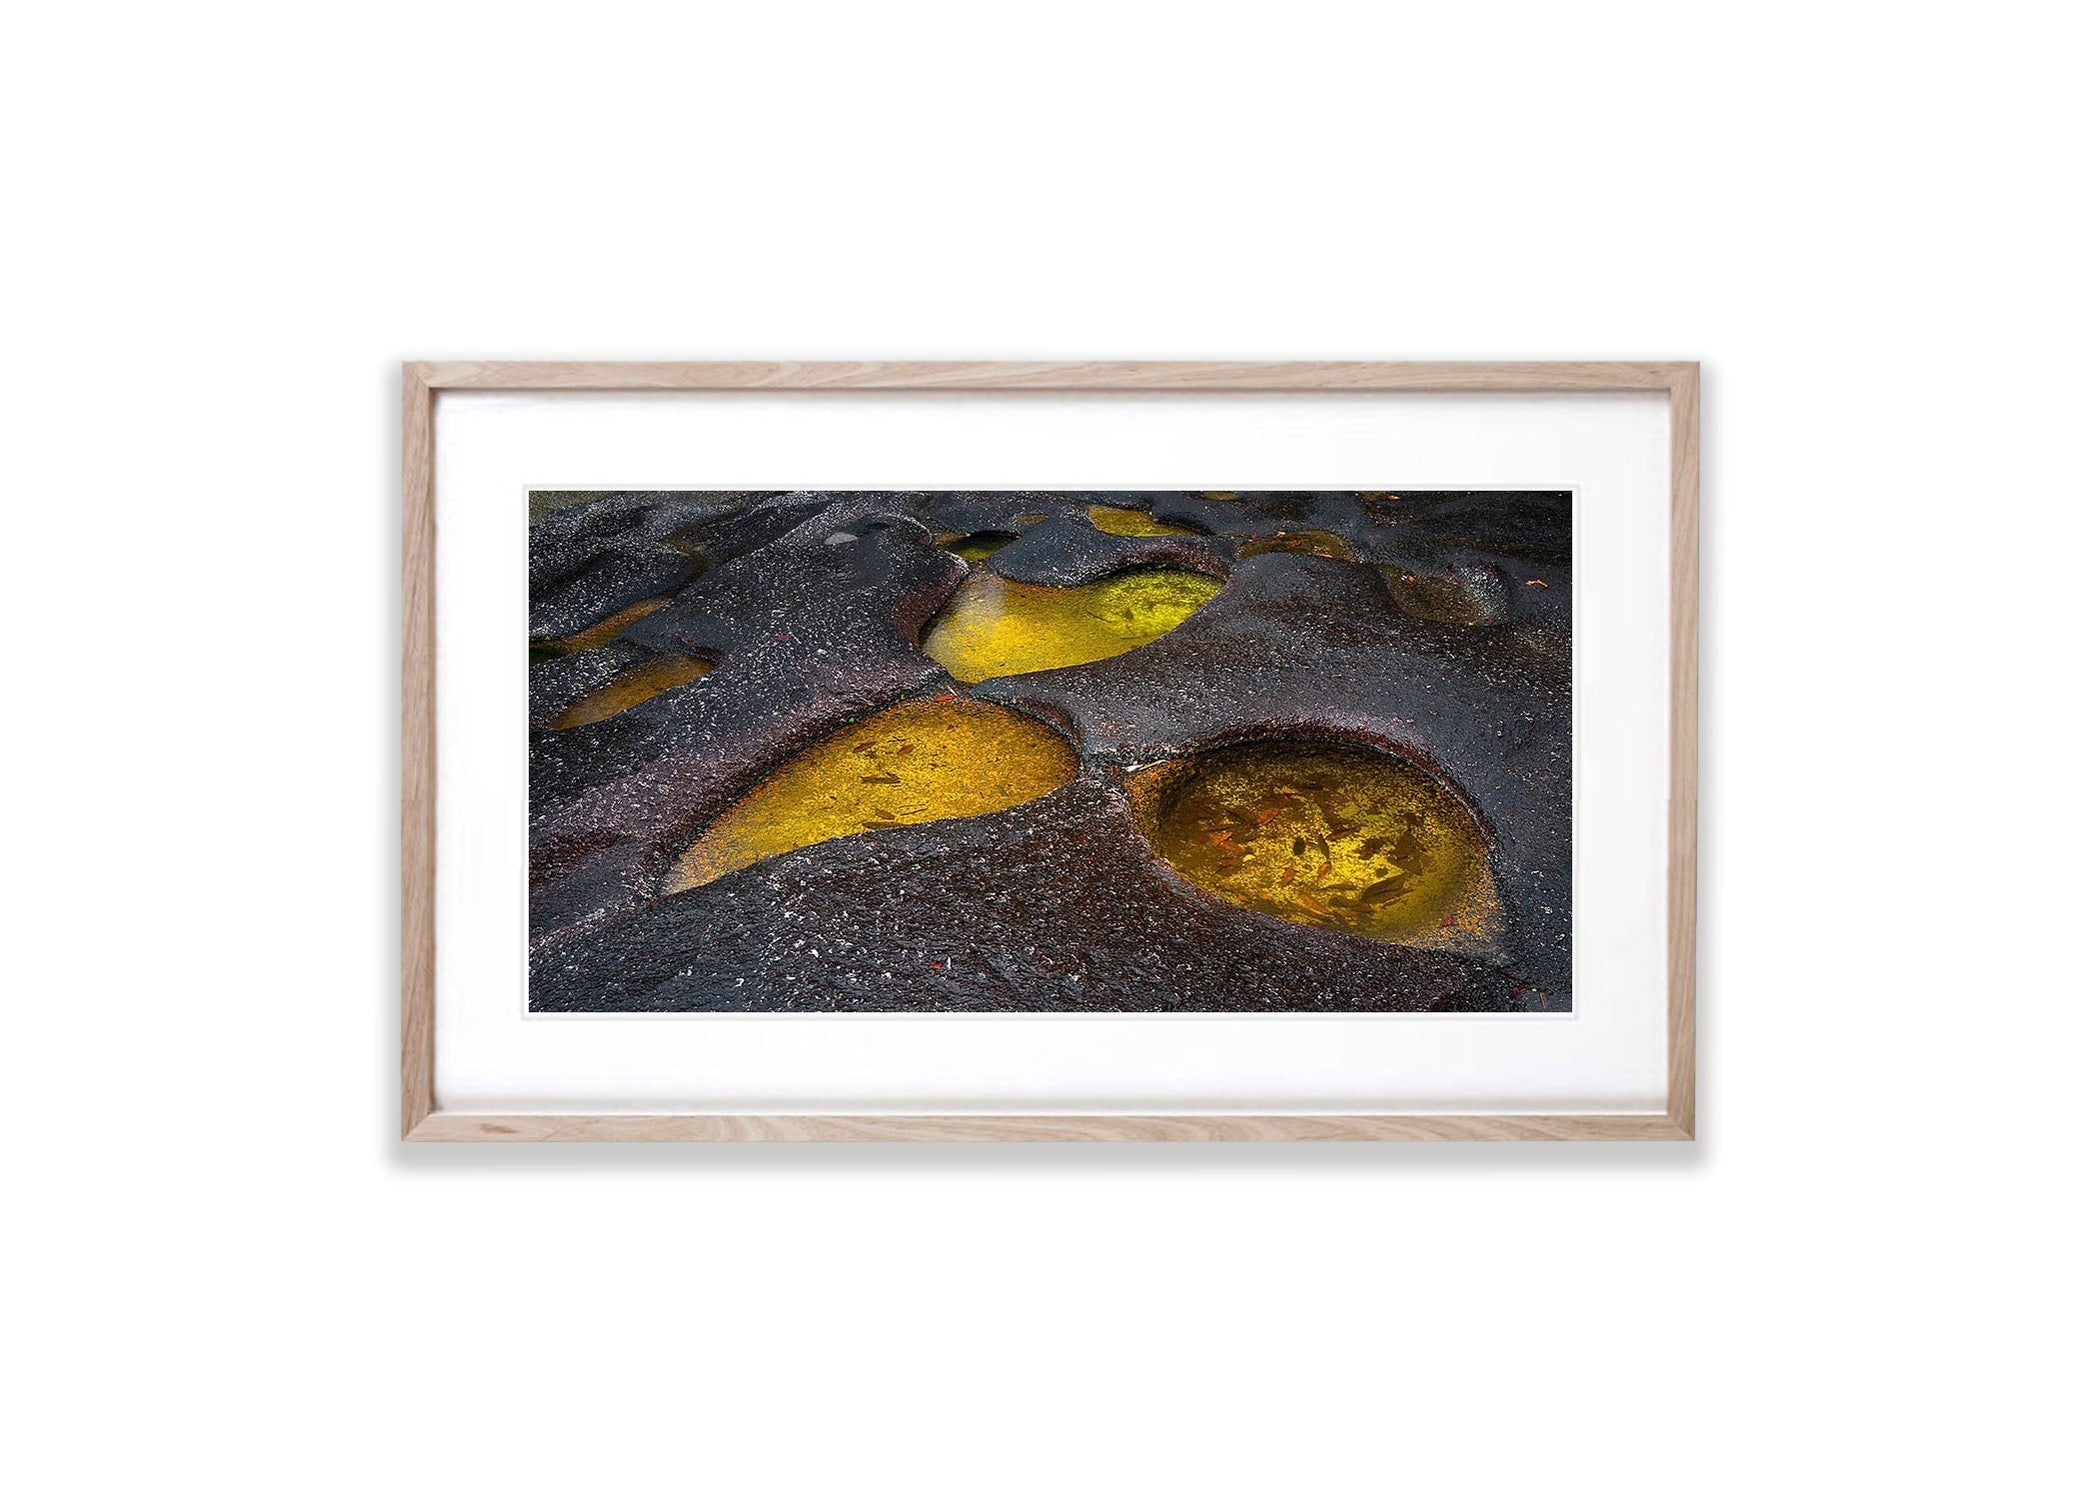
[229, 223]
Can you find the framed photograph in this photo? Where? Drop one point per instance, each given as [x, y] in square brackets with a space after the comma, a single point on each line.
[1049, 751]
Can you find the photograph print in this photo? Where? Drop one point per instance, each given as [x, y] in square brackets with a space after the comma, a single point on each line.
[1050, 752]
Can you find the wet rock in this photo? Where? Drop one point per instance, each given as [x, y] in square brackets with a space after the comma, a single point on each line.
[807, 637]
[813, 607]
[556, 686]
[592, 559]
[1306, 539]
[1065, 549]
[1308, 646]
[606, 586]
[872, 923]
[725, 536]
[964, 511]
[841, 571]
[1517, 523]
[591, 887]
[1457, 593]
[572, 537]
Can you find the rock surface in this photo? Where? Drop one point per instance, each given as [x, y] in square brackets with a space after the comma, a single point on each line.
[812, 607]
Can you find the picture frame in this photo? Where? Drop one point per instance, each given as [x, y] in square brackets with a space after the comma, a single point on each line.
[423, 383]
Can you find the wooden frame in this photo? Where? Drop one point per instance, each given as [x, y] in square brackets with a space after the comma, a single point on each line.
[421, 383]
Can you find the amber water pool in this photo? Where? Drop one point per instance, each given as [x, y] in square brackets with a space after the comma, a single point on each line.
[1350, 839]
[995, 628]
[609, 629]
[632, 688]
[1116, 520]
[978, 545]
[917, 762]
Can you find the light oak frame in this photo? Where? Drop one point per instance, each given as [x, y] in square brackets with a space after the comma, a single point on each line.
[421, 1119]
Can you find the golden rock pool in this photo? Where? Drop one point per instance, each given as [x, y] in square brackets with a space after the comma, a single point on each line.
[978, 545]
[633, 687]
[1117, 521]
[917, 762]
[994, 628]
[609, 629]
[1349, 839]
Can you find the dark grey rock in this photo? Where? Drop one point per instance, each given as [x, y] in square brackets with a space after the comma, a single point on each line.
[873, 923]
[808, 637]
[1064, 550]
[558, 685]
[1298, 646]
[612, 582]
